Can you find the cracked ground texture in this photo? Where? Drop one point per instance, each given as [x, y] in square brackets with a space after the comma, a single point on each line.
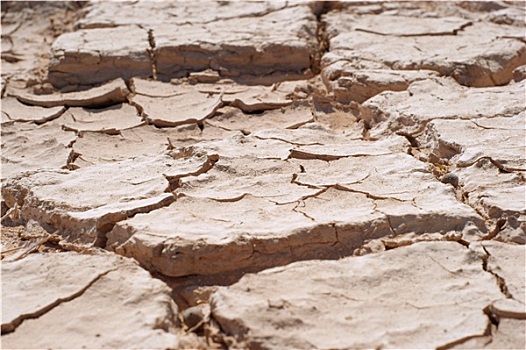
[263, 175]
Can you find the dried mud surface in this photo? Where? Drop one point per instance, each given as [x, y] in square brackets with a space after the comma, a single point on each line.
[263, 175]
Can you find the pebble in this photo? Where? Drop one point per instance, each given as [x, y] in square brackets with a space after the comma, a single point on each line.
[450, 178]
[192, 316]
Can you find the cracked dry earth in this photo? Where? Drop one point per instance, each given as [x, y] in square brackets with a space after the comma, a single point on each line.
[263, 175]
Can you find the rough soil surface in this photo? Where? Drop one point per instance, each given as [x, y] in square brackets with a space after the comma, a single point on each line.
[263, 175]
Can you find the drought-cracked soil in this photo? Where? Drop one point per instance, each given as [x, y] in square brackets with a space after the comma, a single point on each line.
[263, 175]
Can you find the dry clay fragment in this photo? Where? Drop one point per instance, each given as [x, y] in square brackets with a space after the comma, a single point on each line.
[313, 305]
[311, 134]
[350, 84]
[247, 166]
[152, 88]
[87, 57]
[465, 142]
[475, 11]
[146, 140]
[339, 22]
[510, 334]
[498, 195]
[136, 13]
[95, 148]
[111, 93]
[68, 300]
[410, 202]
[16, 111]
[187, 107]
[146, 13]
[507, 261]
[168, 105]
[350, 200]
[231, 118]
[480, 55]
[247, 98]
[26, 37]
[110, 120]
[354, 148]
[513, 15]
[240, 146]
[273, 47]
[28, 147]
[191, 235]
[254, 99]
[379, 169]
[67, 200]
[409, 111]
[492, 177]
[404, 25]
[234, 178]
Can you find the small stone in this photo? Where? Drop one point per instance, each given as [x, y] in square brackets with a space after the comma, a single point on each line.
[193, 316]
[450, 178]
[43, 89]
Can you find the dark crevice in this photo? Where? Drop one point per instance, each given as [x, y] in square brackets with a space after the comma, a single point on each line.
[296, 210]
[152, 53]
[103, 231]
[130, 85]
[321, 36]
[73, 156]
[492, 316]
[410, 138]
[393, 232]
[174, 182]
[453, 344]
[500, 281]
[4, 86]
[499, 225]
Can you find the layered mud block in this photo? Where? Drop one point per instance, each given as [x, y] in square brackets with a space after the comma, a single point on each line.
[269, 46]
[253, 212]
[88, 57]
[91, 301]
[427, 295]
[85, 203]
[272, 47]
[373, 53]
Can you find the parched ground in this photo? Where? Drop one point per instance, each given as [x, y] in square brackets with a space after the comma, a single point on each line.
[263, 175]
